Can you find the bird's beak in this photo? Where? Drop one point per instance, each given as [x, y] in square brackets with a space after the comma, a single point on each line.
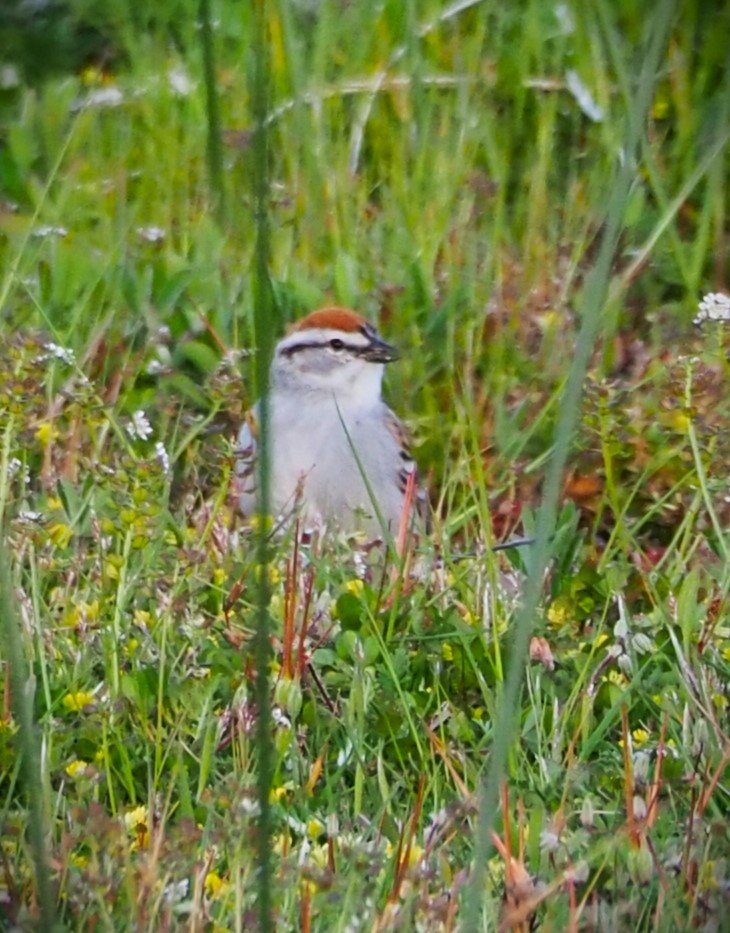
[378, 351]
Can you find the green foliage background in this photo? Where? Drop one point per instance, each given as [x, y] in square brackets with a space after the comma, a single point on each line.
[446, 169]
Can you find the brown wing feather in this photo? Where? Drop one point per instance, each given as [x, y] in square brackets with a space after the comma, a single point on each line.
[407, 466]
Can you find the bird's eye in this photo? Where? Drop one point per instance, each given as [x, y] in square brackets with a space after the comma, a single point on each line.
[337, 344]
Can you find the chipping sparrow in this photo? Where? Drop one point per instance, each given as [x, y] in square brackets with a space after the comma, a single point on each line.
[339, 456]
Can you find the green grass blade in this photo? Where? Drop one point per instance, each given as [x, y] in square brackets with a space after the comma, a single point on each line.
[595, 293]
[21, 684]
[264, 334]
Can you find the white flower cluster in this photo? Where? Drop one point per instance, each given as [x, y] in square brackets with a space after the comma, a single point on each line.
[46, 230]
[713, 307]
[101, 97]
[162, 457]
[151, 234]
[55, 352]
[139, 426]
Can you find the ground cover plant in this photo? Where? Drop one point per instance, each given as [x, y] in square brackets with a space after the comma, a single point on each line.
[515, 193]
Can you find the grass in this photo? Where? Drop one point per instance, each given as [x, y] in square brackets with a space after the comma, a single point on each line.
[440, 175]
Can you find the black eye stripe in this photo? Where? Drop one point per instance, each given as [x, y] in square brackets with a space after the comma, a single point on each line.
[322, 345]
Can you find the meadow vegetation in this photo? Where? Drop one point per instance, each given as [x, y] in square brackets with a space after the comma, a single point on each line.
[463, 174]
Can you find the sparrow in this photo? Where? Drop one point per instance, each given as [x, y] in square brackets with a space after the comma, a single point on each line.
[340, 458]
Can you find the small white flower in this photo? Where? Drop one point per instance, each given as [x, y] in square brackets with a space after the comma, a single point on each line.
[549, 840]
[151, 234]
[714, 307]
[61, 353]
[30, 518]
[15, 466]
[49, 230]
[139, 426]
[180, 81]
[163, 457]
[249, 807]
[176, 891]
[625, 664]
[103, 97]
[155, 367]
[583, 96]
[280, 719]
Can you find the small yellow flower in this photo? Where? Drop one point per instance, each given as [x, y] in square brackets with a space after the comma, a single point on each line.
[281, 844]
[46, 434]
[415, 855]
[355, 587]
[75, 702]
[143, 618]
[82, 612]
[315, 828]
[558, 614]
[130, 647]
[640, 737]
[219, 576]
[91, 75]
[60, 534]
[447, 651]
[277, 793]
[478, 713]
[726, 653]
[78, 860]
[135, 818]
[137, 825]
[680, 421]
[215, 886]
[76, 768]
[660, 108]
[72, 616]
[319, 855]
[616, 677]
[92, 610]
[111, 571]
[54, 504]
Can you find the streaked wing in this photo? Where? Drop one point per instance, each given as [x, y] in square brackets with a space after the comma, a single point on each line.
[246, 458]
[408, 466]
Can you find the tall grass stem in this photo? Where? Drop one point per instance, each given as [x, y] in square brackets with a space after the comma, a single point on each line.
[263, 319]
[21, 687]
[214, 150]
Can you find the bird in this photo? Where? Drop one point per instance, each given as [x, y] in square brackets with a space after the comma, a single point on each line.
[339, 457]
